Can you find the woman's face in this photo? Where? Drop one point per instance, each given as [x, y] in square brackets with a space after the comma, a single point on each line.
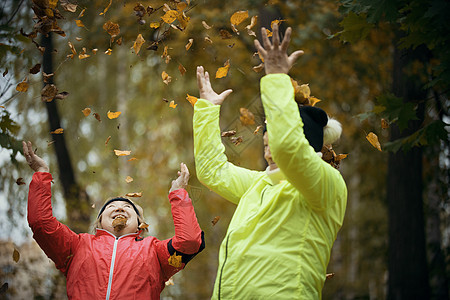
[268, 154]
[116, 210]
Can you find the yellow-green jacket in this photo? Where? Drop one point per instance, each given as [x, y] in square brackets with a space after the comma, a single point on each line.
[279, 240]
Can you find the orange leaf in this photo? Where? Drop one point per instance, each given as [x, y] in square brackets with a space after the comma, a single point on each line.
[106, 9]
[132, 159]
[107, 140]
[113, 115]
[384, 124]
[143, 226]
[247, 118]
[257, 129]
[341, 157]
[238, 17]
[276, 22]
[79, 23]
[189, 44]
[166, 78]
[313, 101]
[139, 194]
[154, 24]
[170, 16]
[86, 111]
[58, 131]
[108, 52]
[191, 99]
[113, 29]
[182, 69]
[269, 33]
[373, 139]
[175, 260]
[138, 43]
[181, 6]
[122, 152]
[129, 179]
[215, 220]
[22, 86]
[172, 104]
[223, 71]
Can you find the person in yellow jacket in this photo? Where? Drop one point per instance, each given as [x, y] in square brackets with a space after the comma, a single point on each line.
[279, 240]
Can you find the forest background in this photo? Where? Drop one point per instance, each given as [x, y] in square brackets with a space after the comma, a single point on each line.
[124, 72]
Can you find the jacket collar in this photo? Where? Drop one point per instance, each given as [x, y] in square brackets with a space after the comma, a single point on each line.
[274, 176]
[100, 232]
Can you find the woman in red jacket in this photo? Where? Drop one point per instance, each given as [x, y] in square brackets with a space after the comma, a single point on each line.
[116, 262]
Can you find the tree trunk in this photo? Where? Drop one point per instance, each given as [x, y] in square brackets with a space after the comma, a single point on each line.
[407, 265]
[77, 202]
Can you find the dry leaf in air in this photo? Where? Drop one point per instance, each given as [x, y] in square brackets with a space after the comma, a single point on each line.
[134, 195]
[138, 43]
[373, 139]
[106, 8]
[166, 78]
[228, 133]
[35, 69]
[215, 220]
[86, 111]
[129, 179]
[113, 115]
[58, 131]
[170, 16]
[20, 181]
[238, 17]
[182, 69]
[113, 29]
[191, 99]
[247, 117]
[16, 255]
[172, 104]
[223, 71]
[189, 44]
[22, 86]
[384, 124]
[175, 260]
[122, 152]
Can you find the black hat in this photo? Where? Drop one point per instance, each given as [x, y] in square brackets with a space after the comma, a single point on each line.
[119, 199]
[314, 120]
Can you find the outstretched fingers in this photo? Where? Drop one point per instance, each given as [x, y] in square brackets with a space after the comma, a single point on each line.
[294, 56]
[286, 39]
[265, 39]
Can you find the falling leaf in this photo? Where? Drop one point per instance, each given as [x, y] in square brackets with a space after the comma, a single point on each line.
[61, 96]
[22, 86]
[329, 275]
[83, 54]
[206, 25]
[72, 48]
[133, 159]
[257, 129]
[238, 17]
[247, 117]
[189, 44]
[47, 77]
[97, 116]
[78, 39]
[153, 46]
[94, 51]
[106, 9]
[384, 124]
[93, 205]
[236, 140]
[215, 220]
[341, 157]
[191, 99]
[57, 131]
[208, 39]
[167, 283]
[373, 139]
[5, 72]
[48, 92]
[86, 111]
[81, 13]
[119, 41]
[129, 179]
[20, 181]
[35, 69]
[234, 28]
[107, 140]
[166, 78]
[313, 101]
[69, 6]
[253, 22]
[278, 22]
[181, 6]
[79, 23]
[154, 25]
[223, 71]
[175, 260]
[113, 29]
[108, 52]
[16, 255]
[228, 133]
[122, 152]
[135, 195]
[49, 143]
[143, 226]
[269, 33]
[170, 16]
[225, 34]
[182, 69]
[138, 43]
[172, 104]
[113, 115]
[183, 20]
[258, 68]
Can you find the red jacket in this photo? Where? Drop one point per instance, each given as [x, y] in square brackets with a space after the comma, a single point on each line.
[102, 266]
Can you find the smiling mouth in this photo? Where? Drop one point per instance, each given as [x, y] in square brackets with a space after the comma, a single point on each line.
[119, 216]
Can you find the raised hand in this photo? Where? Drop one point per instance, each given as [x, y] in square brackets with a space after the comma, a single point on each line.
[205, 89]
[182, 181]
[35, 162]
[276, 59]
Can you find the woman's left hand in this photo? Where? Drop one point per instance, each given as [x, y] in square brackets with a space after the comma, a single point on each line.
[182, 181]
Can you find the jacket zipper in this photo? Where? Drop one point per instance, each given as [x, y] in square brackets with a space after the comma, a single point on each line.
[113, 260]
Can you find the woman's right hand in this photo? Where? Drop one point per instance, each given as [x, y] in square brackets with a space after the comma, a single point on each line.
[35, 162]
[205, 88]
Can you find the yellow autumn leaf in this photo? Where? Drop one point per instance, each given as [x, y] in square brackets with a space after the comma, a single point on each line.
[72, 48]
[175, 260]
[181, 6]
[135, 195]
[166, 78]
[182, 69]
[247, 117]
[22, 86]
[83, 56]
[154, 25]
[269, 33]
[86, 111]
[253, 22]
[108, 52]
[122, 152]
[276, 22]
[223, 71]
[113, 115]
[79, 23]
[313, 101]
[189, 44]
[58, 131]
[113, 29]
[106, 9]
[16, 255]
[170, 16]
[172, 104]
[373, 139]
[138, 43]
[238, 17]
[129, 179]
[192, 100]
[52, 3]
